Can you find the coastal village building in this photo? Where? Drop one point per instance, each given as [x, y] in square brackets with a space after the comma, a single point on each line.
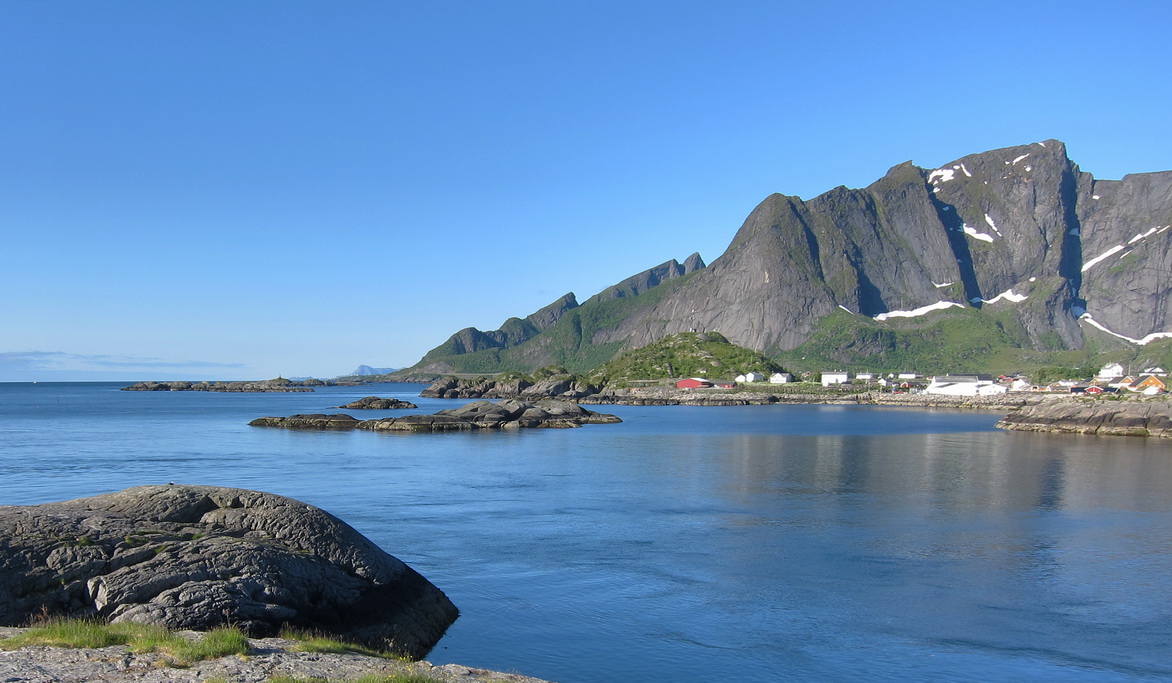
[693, 383]
[965, 385]
[781, 378]
[829, 378]
[751, 377]
[1149, 384]
[1110, 372]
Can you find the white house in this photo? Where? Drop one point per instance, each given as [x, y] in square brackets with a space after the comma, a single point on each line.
[781, 378]
[865, 376]
[907, 375]
[1110, 371]
[751, 377]
[829, 378]
[964, 385]
[1021, 384]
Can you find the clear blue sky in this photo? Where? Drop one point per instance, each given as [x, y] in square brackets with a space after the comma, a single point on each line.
[236, 190]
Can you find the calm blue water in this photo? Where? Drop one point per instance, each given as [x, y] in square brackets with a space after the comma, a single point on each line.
[691, 544]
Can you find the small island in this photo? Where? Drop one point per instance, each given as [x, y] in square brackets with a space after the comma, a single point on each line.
[507, 414]
[276, 385]
[376, 403]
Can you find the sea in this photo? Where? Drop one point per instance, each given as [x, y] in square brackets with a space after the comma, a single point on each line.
[753, 543]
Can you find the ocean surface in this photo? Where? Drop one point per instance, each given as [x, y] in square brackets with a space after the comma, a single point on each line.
[758, 543]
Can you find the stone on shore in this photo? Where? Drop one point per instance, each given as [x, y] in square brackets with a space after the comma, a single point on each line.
[197, 557]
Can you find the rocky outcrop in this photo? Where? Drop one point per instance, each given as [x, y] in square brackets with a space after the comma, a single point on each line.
[196, 557]
[569, 388]
[507, 414]
[1105, 417]
[376, 403]
[264, 386]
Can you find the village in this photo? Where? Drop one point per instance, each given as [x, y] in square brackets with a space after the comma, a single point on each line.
[1113, 378]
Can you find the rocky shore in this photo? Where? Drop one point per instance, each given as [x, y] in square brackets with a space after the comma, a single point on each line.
[1032, 411]
[268, 658]
[1147, 416]
[507, 414]
[585, 393]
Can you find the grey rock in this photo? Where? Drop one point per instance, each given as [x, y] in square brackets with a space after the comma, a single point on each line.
[268, 659]
[506, 414]
[196, 557]
[1104, 417]
[376, 403]
[308, 421]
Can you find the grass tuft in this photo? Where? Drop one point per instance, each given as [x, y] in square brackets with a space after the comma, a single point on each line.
[308, 641]
[393, 678]
[90, 634]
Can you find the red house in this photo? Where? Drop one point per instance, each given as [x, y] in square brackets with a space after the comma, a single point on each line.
[693, 383]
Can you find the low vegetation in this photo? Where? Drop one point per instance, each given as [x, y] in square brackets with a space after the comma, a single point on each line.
[316, 642]
[688, 354]
[182, 651]
[395, 678]
[83, 633]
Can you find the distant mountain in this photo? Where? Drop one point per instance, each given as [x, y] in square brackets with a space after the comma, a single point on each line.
[996, 256]
[366, 370]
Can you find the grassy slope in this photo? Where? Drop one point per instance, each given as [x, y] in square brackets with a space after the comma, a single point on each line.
[688, 354]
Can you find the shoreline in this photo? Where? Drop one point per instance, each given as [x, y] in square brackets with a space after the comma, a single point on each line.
[706, 397]
[267, 658]
[1114, 415]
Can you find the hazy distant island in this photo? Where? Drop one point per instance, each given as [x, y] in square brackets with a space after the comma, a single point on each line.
[279, 384]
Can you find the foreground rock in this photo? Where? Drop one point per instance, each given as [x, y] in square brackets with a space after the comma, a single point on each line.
[376, 403]
[1108, 417]
[507, 414]
[196, 557]
[268, 659]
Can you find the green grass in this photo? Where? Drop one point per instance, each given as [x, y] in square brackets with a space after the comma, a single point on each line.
[688, 354]
[315, 642]
[84, 633]
[394, 678]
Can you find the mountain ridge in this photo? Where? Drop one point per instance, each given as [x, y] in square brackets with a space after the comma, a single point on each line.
[1040, 250]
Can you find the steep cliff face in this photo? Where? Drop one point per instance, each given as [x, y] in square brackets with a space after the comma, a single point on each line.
[1126, 271]
[1020, 235]
[1007, 230]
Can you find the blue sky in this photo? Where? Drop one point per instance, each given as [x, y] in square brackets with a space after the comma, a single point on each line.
[237, 190]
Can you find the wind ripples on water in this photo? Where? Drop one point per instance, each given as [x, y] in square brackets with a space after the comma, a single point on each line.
[753, 543]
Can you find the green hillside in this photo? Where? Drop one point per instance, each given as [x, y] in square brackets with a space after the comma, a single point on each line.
[689, 354]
